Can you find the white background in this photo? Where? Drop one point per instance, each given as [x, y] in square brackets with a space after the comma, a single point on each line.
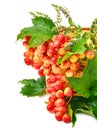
[16, 111]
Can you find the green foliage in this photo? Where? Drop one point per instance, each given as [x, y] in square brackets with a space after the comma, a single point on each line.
[83, 105]
[78, 47]
[87, 85]
[33, 87]
[41, 31]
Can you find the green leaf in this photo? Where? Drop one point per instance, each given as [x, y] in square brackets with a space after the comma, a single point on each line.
[59, 60]
[41, 31]
[67, 55]
[25, 32]
[79, 46]
[84, 105]
[87, 85]
[72, 114]
[74, 119]
[44, 22]
[33, 87]
[71, 23]
[92, 102]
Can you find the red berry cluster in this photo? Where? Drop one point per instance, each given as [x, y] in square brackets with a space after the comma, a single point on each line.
[43, 58]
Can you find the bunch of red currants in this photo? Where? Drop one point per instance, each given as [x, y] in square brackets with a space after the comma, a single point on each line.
[44, 58]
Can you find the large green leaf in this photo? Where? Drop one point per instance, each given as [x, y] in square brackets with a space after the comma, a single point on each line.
[83, 105]
[41, 31]
[33, 87]
[87, 85]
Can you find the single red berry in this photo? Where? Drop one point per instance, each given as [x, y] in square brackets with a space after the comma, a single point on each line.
[66, 118]
[40, 72]
[51, 100]
[50, 107]
[61, 38]
[36, 65]
[60, 102]
[74, 66]
[53, 78]
[89, 54]
[68, 92]
[27, 38]
[58, 85]
[27, 61]
[60, 94]
[58, 116]
[57, 44]
[25, 43]
[53, 59]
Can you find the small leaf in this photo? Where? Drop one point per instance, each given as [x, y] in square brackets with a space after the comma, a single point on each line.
[59, 60]
[72, 114]
[66, 56]
[71, 23]
[79, 46]
[33, 87]
[74, 119]
[27, 81]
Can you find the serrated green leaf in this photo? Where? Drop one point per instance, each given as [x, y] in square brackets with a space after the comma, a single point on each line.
[87, 85]
[25, 32]
[47, 23]
[33, 87]
[27, 81]
[41, 31]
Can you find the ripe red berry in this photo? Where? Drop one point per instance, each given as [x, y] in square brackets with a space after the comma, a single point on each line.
[69, 73]
[58, 116]
[53, 59]
[68, 91]
[42, 48]
[50, 107]
[53, 78]
[66, 118]
[27, 61]
[57, 44]
[36, 65]
[27, 54]
[51, 52]
[74, 66]
[27, 38]
[55, 37]
[58, 85]
[60, 102]
[51, 100]
[60, 94]
[40, 72]
[25, 43]
[89, 54]
[61, 38]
